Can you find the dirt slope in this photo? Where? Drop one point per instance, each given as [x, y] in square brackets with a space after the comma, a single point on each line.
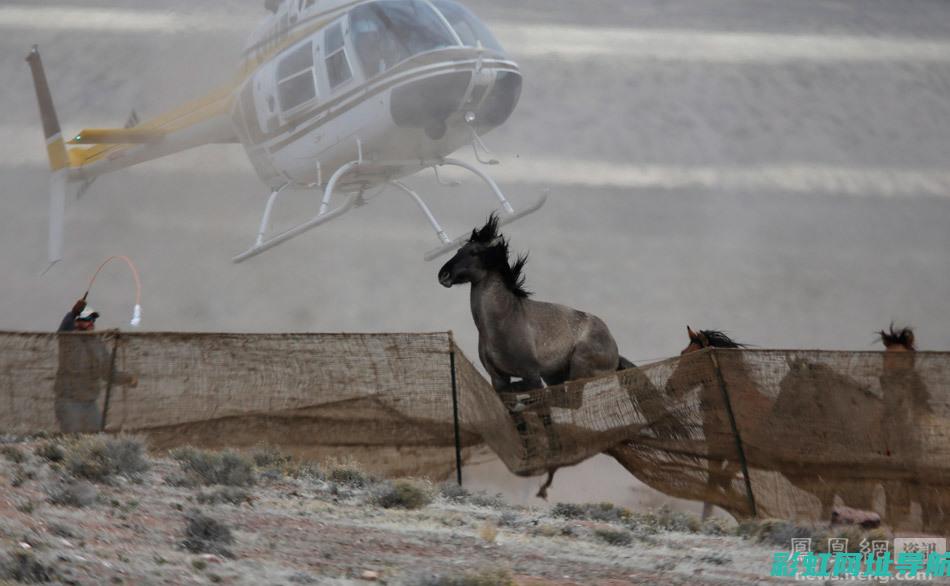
[295, 524]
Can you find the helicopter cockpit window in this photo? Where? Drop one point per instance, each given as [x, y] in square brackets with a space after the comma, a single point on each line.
[387, 32]
[466, 25]
[295, 81]
[338, 68]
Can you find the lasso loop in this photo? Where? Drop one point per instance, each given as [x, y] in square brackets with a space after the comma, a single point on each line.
[137, 310]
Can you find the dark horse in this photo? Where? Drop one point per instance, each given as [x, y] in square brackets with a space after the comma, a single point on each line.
[537, 342]
[904, 432]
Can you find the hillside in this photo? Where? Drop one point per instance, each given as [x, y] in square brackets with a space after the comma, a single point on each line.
[102, 510]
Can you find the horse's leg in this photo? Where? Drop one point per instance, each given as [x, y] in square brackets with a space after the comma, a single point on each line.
[543, 491]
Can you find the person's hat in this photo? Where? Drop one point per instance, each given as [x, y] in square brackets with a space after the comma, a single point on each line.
[88, 314]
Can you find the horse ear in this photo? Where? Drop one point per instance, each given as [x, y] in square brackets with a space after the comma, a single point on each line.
[691, 333]
[908, 335]
[487, 233]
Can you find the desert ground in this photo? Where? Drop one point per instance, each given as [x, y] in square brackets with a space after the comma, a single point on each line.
[777, 170]
[99, 510]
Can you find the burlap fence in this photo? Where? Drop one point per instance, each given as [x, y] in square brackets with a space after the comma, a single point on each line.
[783, 433]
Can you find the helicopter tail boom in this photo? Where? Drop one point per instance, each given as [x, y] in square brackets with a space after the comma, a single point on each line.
[56, 152]
[202, 121]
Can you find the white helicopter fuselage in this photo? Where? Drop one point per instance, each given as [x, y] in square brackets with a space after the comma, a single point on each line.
[336, 95]
[340, 91]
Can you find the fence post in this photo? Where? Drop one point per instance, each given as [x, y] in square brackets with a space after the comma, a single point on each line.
[455, 412]
[735, 430]
[109, 381]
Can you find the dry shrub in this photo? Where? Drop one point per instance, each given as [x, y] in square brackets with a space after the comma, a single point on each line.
[404, 494]
[488, 531]
[665, 519]
[206, 535]
[51, 451]
[100, 457]
[483, 499]
[307, 471]
[715, 526]
[226, 468]
[21, 474]
[483, 577]
[611, 536]
[227, 494]
[13, 453]
[547, 530]
[22, 566]
[267, 456]
[452, 491]
[71, 492]
[716, 559]
[346, 472]
[604, 512]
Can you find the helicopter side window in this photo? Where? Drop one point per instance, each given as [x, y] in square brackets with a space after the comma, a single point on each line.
[466, 25]
[338, 68]
[295, 80]
[388, 31]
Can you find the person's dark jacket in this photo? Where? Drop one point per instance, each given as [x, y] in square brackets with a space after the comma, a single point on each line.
[69, 322]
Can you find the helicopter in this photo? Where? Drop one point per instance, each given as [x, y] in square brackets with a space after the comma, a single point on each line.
[337, 96]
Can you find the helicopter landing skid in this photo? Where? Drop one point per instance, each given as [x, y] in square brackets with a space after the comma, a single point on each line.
[324, 215]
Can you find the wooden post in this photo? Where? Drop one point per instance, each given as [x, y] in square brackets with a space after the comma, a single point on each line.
[455, 414]
[735, 431]
[109, 381]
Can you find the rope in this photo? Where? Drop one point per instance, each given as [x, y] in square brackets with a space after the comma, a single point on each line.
[137, 310]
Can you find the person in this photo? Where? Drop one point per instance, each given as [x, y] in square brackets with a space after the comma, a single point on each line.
[68, 324]
[86, 366]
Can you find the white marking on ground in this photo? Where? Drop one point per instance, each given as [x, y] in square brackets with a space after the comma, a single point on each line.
[70, 18]
[572, 42]
[24, 146]
[533, 40]
[793, 177]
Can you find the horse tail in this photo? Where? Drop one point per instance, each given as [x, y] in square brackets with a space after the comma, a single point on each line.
[625, 364]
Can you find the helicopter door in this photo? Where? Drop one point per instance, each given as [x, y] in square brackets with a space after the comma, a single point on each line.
[266, 98]
[246, 112]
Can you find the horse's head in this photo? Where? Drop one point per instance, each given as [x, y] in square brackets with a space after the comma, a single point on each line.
[689, 372]
[485, 252]
[898, 342]
[708, 339]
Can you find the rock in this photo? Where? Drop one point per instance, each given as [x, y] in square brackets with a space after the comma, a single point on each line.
[369, 575]
[849, 516]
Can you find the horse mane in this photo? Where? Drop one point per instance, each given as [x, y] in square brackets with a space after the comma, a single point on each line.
[903, 336]
[719, 339]
[496, 256]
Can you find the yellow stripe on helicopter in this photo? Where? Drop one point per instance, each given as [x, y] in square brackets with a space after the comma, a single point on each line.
[112, 140]
[118, 136]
